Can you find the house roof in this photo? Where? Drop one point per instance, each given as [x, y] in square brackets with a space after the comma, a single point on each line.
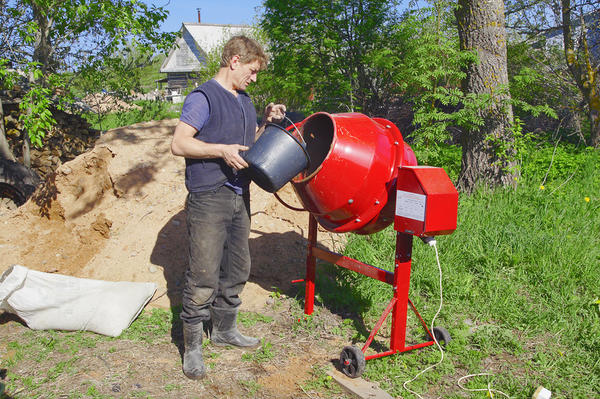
[196, 41]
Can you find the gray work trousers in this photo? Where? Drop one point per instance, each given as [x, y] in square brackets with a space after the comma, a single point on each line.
[218, 224]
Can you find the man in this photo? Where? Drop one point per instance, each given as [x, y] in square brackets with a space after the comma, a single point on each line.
[218, 120]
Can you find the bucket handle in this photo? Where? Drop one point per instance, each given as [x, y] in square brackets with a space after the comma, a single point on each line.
[298, 130]
[293, 208]
[300, 140]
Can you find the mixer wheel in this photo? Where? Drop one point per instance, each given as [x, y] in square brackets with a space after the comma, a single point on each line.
[352, 361]
[441, 335]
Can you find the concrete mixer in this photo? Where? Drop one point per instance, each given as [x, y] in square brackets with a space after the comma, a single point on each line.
[360, 176]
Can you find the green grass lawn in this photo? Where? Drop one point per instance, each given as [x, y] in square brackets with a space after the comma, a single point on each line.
[149, 110]
[521, 282]
[150, 73]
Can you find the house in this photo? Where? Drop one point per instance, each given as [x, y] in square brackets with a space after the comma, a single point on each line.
[189, 53]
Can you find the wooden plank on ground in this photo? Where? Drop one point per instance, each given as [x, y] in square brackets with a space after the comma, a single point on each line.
[359, 387]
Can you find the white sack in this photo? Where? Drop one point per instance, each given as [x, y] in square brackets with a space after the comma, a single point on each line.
[57, 302]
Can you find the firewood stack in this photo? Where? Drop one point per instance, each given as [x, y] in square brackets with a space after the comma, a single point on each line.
[69, 137]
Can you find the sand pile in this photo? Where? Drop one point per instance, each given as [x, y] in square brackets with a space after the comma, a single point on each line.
[117, 213]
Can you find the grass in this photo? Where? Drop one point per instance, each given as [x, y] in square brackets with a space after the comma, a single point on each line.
[262, 355]
[150, 110]
[520, 287]
[251, 386]
[250, 319]
[520, 280]
[152, 326]
[61, 356]
[320, 381]
[65, 349]
[151, 73]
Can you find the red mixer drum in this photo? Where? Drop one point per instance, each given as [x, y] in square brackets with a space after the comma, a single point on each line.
[350, 182]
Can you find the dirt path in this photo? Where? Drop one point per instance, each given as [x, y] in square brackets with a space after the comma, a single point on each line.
[116, 213]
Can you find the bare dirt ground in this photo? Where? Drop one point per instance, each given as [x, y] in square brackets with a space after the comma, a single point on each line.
[117, 213]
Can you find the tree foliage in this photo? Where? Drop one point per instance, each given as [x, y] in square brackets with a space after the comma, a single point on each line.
[413, 58]
[326, 54]
[49, 38]
[573, 28]
[428, 68]
[69, 34]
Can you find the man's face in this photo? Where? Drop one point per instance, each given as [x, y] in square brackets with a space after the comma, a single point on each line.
[244, 74]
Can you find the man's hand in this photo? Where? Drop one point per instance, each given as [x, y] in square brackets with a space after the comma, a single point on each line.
[274, 112]
[231, 155]
[184, 144]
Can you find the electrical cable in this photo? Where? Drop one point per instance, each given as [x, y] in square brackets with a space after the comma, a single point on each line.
[489, 390]
[432, 243]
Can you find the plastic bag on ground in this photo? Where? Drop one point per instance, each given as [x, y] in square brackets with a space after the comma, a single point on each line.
[57, 302]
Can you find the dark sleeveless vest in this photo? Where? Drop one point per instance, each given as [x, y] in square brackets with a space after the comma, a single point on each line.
[228, 123]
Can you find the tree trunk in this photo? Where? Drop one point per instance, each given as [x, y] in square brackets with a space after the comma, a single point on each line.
[42, 52]
[486, 153]
[582, 71]
[5, 151]
[26, 150]
[595, 127]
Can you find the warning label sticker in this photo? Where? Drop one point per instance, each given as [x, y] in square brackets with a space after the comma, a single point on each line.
[410, 205]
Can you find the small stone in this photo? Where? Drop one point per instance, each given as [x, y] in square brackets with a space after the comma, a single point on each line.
[176, 222]
[116, 388]
[152, 269]
[270, 301]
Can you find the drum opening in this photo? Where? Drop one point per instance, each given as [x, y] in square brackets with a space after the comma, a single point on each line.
[317, 132]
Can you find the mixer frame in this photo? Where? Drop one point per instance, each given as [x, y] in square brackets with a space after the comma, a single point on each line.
[352, 359]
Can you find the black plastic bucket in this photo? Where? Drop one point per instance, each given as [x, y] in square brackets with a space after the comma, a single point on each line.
[275, 158]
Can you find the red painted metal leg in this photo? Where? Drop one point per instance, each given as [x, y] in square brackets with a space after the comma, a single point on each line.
[379, 324]
[311, 265]
[400, 282]
[401, 286]
[420, 318]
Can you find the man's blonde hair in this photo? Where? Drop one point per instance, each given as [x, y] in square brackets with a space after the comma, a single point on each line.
[249, 50]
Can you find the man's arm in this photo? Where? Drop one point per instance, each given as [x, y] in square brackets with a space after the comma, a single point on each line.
[185, 145]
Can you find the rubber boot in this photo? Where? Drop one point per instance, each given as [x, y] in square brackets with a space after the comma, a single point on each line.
[224, 329]
[193, 364]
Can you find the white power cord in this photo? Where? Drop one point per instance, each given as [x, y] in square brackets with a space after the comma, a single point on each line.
[432, 243]
[489, 390]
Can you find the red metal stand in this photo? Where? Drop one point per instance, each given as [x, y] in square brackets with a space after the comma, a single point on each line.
[399, 280]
